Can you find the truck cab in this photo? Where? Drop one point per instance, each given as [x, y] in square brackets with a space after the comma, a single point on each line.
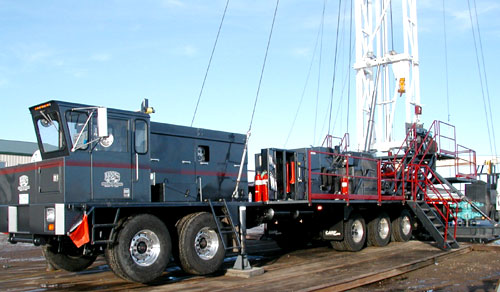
[110, 176]
[89, 154]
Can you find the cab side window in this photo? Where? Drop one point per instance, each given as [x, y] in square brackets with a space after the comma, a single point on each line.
[141, 136]
[117, 139]
[77, 130]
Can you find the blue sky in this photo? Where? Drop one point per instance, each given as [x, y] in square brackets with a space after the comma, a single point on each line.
[115, 53]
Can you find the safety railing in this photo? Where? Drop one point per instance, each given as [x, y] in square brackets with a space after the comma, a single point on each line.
[465, 162]
[446, 138]
[343, 142]
[416, 147]
[347, 184]
[422, 184]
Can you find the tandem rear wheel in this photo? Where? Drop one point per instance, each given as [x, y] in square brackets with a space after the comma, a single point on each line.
[201, 250]
[142, 249]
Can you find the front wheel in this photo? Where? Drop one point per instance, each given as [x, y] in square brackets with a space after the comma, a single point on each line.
[69, 257]
[201, 250]
[142, 249]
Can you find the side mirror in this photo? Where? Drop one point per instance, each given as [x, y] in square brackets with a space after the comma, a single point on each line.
[102, 122]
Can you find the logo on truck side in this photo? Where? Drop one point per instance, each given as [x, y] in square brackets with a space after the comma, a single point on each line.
[24, 183]
[112, 179]
[332, 233]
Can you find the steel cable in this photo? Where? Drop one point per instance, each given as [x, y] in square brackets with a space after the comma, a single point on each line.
[209, 62]
[480, 77]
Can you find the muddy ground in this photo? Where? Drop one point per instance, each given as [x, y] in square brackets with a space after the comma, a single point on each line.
[478, 270]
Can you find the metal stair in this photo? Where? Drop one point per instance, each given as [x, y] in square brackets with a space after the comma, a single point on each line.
[434, 225]
[223, 214]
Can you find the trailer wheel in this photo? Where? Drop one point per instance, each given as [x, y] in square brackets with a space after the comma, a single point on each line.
[354, 233]
[142, 249]
[338, 245]
[69, 258]
[402, 227]
[201, 250]
[379, 230]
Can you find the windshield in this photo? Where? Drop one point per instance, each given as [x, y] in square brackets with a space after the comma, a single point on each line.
[51, 134]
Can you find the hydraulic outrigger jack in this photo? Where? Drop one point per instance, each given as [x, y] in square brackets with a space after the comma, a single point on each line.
[242, 267]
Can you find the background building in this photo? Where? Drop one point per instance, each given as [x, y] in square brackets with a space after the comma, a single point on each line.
[16, 152]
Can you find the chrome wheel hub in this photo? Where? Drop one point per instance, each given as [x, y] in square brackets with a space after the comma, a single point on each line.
[206, 243]
[145, 248]
[406, 225]
[357, 231]
[383, 228]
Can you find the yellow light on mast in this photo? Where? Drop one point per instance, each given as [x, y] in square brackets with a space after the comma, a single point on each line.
[401, 89]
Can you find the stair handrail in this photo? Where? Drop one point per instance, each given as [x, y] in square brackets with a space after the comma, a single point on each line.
[466, 199]
[431, 185]
[412, 145]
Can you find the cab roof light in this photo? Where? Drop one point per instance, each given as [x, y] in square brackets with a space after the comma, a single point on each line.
[42, 106]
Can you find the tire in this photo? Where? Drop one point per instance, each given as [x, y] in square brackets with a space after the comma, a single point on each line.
[379, 230]
[402, 227]
[70, 258]
[179, 226]
[337, 245]
[354, 233]
[201, 250]
[142, 249]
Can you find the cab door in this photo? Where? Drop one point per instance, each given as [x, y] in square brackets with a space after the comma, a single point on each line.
[141, 173]
[112, 162]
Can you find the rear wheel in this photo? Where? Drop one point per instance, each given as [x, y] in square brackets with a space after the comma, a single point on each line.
[379, 230]
[337, 245]
[179, 226]
[68, 257]
[142, 249]
[201, 250]
[354, 233]
[402, 227]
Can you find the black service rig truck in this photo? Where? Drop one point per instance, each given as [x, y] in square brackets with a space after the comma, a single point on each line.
[113, 183]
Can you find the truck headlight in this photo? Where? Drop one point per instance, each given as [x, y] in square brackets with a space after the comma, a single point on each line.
[50, 215]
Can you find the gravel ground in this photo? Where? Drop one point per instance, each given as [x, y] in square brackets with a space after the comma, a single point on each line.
[474, 271]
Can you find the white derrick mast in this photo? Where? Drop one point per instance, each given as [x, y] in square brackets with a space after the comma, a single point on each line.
[385, 76]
